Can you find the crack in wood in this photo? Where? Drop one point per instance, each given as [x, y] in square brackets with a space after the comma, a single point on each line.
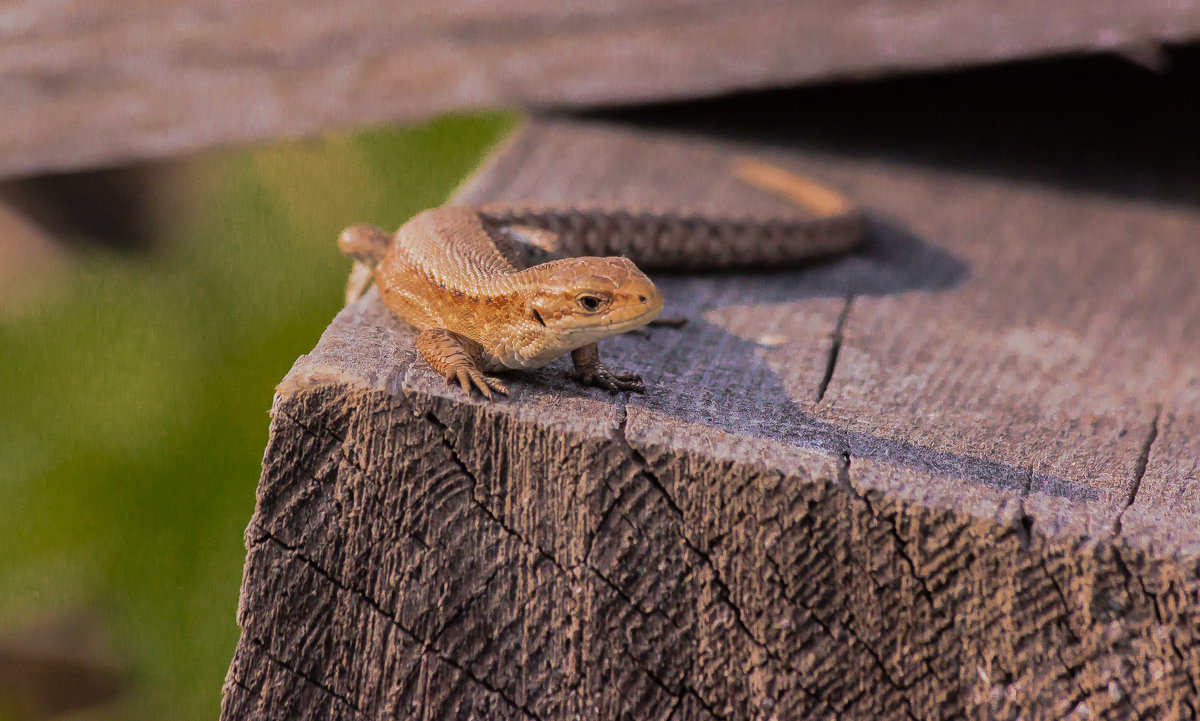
[836, 337]
[636, 456]
[1023, 523]
[494, 689]
[1062, 597]
[340, 452]
[590, 541]
[1139, 469]
[471, 478]
[425, 644]
[789, 597]
[889, 523]
[629, 600]
[464, 606]
[793, 598]
[307, 429]
[726, 596]
[262, 646]
[723, 590]
[843, 471]
[684, 691]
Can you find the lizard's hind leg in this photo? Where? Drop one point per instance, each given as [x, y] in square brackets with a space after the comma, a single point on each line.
[358, 282]
[457, 358]
[366, 245]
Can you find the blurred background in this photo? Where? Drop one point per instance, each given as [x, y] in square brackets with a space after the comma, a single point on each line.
[167, 248]
[144, 320]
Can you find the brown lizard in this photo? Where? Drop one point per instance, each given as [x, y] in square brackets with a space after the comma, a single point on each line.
[499, 287]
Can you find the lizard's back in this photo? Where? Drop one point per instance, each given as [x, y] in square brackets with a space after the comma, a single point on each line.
[444, 270]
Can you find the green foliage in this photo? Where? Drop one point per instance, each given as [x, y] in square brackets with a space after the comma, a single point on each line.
[134, 393]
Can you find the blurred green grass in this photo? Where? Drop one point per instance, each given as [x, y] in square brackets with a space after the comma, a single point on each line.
[134, 392]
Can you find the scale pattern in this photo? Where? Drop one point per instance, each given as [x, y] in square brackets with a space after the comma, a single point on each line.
[473, 280]
[671, 241]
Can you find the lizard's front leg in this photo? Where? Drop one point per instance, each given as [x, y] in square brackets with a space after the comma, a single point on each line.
[457, 358]
[590, 371]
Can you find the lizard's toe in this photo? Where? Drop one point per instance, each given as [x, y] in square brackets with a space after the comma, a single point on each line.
[609, 381]
[496, 385]
[455, 357]
[582, 377]
[463, 376]
[481, 382]
[471, 380]
[633, 384]
[617, 384]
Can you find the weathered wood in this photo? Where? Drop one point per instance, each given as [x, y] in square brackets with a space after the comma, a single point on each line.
[85, 83]
[954, 475]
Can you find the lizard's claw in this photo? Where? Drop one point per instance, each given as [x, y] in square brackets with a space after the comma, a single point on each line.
[470, 379]
[455, 358]
[591, 372]
[668, 322]
[604, 378]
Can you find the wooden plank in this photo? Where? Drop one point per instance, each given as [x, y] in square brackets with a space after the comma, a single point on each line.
[85, 83]
[923, 481]
[1002, 332]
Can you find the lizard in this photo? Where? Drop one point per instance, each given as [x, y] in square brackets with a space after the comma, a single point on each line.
[514, 286]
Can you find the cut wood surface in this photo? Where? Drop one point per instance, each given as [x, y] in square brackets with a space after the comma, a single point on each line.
[86, 83]
[955, 474]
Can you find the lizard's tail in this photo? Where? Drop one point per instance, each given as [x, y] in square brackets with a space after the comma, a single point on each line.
[367, 245]
[828, 223]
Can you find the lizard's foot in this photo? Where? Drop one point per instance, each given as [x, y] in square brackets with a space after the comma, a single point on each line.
[470, 378]
[456, 359]
[591, 372]
[604, 378]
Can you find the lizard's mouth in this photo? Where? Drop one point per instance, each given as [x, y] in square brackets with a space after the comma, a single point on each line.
[630, 324]
[652, 309]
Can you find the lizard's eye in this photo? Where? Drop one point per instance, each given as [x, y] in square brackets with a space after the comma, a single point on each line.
[589, 303]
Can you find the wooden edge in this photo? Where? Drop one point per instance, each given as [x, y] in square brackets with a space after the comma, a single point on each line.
[161, 80]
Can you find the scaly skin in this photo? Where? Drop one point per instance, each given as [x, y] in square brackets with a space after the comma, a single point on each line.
[473, 280]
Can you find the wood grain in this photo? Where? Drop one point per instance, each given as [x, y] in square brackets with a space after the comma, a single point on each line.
[951, 476]
[85, 83]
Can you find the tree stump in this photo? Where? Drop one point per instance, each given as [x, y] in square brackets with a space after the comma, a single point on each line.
[953, 475]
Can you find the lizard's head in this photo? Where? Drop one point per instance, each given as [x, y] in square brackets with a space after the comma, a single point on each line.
[581, 300]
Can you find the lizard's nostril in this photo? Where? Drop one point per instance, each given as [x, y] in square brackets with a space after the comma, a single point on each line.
[642, 298]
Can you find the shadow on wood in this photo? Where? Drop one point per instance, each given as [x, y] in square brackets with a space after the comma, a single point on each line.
[945, 478]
